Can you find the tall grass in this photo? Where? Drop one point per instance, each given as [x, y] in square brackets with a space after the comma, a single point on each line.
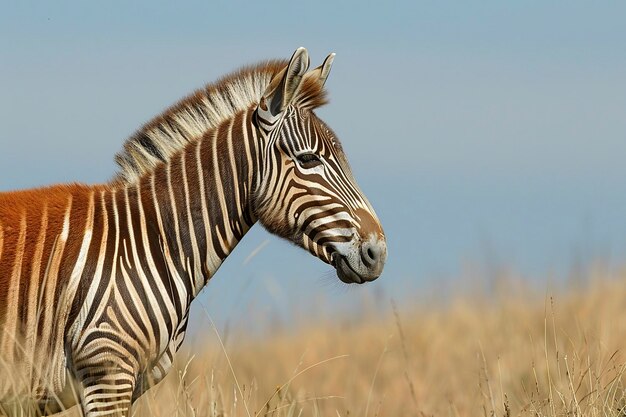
[513, 351]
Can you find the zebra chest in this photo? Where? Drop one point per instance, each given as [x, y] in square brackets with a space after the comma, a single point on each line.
[160, 368]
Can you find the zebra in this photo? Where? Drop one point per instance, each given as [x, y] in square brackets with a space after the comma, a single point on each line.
[96, 280]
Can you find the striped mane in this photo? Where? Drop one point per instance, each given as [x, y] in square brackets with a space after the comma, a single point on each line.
[165, 135]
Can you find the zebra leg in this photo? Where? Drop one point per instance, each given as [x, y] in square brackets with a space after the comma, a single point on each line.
[108, 387]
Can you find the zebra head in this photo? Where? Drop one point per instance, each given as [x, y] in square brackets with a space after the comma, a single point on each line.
[306, 191]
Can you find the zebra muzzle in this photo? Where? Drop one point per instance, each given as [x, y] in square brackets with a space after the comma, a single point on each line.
[362, 263]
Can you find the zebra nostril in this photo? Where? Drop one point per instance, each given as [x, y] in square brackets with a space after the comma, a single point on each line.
[370, 254]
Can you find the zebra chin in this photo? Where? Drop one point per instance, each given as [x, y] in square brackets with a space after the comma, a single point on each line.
[360, 262]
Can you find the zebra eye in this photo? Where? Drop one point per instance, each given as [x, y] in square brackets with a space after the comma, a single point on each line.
[308, 160]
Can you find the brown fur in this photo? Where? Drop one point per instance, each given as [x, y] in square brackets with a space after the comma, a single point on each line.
[31, 203]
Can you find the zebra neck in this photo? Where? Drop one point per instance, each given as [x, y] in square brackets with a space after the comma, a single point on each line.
[202, 200]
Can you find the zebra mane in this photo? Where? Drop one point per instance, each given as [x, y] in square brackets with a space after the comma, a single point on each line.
[186, 121]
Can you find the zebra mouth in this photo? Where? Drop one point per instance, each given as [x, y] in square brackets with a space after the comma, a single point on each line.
[344, 271]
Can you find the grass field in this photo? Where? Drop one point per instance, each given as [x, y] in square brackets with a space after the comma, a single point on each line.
[509, 351]
[512, 352]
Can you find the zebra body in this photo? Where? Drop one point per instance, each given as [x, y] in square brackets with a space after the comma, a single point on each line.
[96, 281]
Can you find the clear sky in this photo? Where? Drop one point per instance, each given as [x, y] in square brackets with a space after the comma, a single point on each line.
[484, 134]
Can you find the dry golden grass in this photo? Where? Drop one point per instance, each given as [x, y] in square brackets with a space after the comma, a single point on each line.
[513, 352]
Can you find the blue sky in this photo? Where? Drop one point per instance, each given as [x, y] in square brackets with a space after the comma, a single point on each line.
[490, 133]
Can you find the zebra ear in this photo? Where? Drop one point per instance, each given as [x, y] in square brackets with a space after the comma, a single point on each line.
[321, 72]
[283, 87]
